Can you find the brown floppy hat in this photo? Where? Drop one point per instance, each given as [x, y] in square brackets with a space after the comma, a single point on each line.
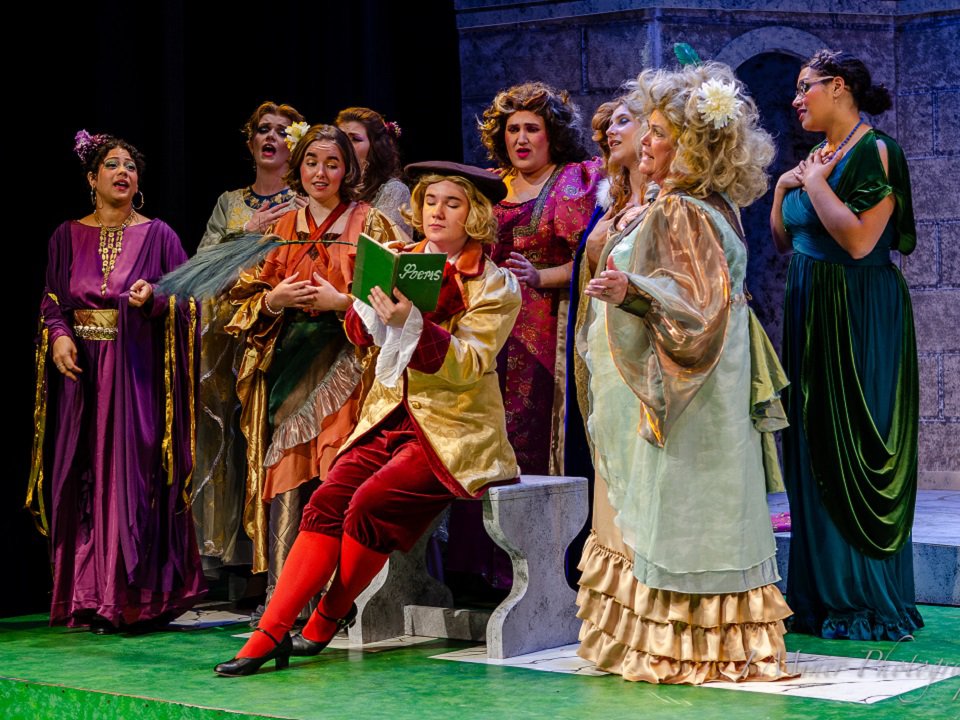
[487, 182]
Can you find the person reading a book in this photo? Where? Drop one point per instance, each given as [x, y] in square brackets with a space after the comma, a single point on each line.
[298, 380]
[432, 426]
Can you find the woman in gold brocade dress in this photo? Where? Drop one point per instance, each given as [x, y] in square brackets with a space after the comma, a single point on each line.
[299, 380]
[678, 574]
[218, 488]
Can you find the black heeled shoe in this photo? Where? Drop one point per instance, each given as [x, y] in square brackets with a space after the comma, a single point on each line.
[303, 647]
[101, 626]
[238, 667]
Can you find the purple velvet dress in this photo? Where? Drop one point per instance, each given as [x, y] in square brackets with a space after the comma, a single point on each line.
[121, 535]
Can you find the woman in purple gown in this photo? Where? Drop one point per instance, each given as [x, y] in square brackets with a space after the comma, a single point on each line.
[118, 390]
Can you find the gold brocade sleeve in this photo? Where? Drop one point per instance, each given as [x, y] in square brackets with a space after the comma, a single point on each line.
[383, 229]
[260, 331]
[482, 331]
[677, 263]
[247, 296]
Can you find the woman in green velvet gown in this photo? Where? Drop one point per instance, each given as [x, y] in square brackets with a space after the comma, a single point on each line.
[850, 453]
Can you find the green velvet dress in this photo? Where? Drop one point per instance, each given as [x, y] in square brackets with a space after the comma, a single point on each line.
[850, 453]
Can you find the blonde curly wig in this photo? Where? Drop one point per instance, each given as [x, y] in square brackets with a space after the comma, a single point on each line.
[732, 159]
[481, 224]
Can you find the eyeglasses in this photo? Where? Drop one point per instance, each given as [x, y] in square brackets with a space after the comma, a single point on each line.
[803, 87]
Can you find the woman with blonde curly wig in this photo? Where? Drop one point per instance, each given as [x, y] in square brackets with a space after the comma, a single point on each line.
[617, 127]
[679, 572]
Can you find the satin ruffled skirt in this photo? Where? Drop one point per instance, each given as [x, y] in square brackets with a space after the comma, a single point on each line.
[662, 636]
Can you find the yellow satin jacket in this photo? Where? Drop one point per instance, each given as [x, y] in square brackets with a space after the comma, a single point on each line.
[459, 408]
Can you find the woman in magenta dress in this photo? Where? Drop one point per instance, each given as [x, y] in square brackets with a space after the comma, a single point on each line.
[118, 390]
[530, 130]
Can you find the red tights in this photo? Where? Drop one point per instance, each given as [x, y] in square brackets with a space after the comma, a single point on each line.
[307, 570]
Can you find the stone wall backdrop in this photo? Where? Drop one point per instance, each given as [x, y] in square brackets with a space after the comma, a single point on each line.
[590, 47]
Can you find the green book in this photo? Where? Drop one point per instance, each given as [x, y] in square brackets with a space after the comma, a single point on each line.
[416, 275]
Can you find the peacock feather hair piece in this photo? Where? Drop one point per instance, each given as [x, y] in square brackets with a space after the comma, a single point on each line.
[686, 54]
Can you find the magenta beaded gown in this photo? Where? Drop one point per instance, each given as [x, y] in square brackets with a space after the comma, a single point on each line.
[119, 440]
[546, 231]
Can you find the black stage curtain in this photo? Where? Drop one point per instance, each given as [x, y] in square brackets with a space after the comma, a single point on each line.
[178, 79]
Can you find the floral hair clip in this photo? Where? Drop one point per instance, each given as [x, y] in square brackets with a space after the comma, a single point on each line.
[85, 144]
[294, 133]
[393, 128]
[718, 103]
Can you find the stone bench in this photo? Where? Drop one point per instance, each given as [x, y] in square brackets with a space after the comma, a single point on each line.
[535, 521]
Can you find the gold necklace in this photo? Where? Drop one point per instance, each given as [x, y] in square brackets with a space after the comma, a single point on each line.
[111, 243]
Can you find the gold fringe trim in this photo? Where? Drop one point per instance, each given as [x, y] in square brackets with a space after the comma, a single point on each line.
[663, 636]
[169, 376]
[35, 481]
[191, 398]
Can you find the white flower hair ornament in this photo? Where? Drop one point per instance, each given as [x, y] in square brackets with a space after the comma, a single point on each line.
[718, 103]
[296, 131]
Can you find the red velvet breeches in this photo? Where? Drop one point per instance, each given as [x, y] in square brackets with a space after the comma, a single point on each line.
[381, 492]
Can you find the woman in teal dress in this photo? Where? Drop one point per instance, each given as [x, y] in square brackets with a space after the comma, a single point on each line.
[850, 453]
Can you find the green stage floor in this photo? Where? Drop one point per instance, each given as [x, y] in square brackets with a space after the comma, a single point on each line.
[59, 673]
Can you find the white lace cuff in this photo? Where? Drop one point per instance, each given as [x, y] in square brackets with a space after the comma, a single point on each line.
[396, 351]
[375, 326]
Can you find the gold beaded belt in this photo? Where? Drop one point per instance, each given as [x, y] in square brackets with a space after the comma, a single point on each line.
[95, 324]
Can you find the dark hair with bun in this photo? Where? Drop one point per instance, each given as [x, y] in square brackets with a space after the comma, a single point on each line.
[383, 158]
[871, 99]
[109, 144]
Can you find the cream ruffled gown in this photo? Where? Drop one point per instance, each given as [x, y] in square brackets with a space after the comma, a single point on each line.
[677, 583]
